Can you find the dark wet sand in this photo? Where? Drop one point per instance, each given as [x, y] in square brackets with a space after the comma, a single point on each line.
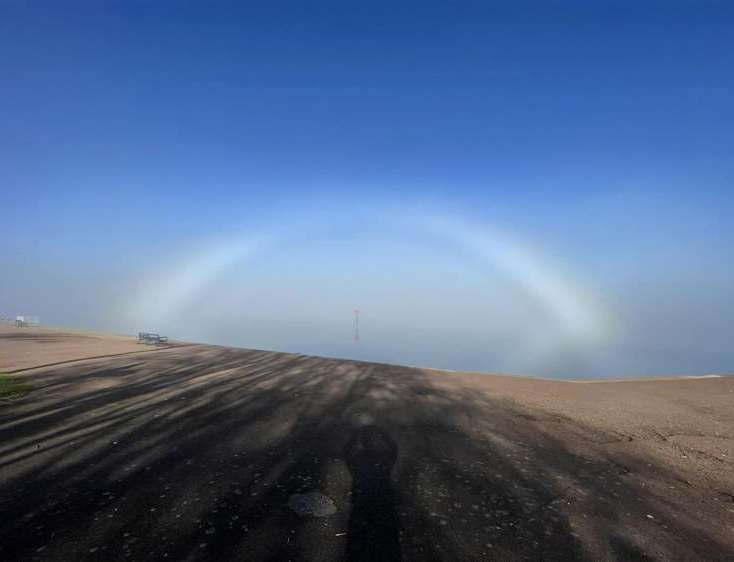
[194, 452]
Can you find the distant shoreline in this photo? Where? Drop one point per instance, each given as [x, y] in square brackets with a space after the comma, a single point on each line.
[127, 338]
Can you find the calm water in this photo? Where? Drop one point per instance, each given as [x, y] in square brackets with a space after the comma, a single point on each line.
[494, 357]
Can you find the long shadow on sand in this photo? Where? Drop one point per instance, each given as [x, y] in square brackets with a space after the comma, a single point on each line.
[194, 454]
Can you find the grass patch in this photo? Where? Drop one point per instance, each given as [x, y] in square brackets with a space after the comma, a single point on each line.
[10, 387]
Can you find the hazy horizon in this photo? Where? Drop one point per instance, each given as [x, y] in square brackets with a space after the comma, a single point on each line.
[541, 190]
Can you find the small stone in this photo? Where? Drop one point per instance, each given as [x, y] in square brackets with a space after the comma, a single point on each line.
[312, 503]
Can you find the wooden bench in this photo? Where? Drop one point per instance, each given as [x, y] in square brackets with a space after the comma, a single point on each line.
[152, 339]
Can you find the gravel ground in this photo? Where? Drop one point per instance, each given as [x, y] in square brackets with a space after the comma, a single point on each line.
[209, 453]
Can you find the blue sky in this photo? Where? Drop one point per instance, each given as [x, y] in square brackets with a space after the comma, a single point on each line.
[306, 159]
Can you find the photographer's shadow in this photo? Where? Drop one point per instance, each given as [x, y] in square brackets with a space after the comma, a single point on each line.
[373, 526]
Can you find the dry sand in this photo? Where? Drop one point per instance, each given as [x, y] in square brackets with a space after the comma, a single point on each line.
[204, 452]
[26, 348]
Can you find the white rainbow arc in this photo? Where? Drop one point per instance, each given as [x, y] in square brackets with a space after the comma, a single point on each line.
[578, 317]
[573, 308]
[159, 302]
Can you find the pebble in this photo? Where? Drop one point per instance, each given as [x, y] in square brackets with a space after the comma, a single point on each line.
[312, 503]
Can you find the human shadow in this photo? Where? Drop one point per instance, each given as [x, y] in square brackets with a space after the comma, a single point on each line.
[373, 526]
[193, 454]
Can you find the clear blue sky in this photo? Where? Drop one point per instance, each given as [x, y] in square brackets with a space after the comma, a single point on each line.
[143, 139]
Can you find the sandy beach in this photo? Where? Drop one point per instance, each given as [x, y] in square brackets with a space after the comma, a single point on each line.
[194, 452]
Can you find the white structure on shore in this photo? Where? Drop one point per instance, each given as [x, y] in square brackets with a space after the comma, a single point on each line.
[26, 320]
